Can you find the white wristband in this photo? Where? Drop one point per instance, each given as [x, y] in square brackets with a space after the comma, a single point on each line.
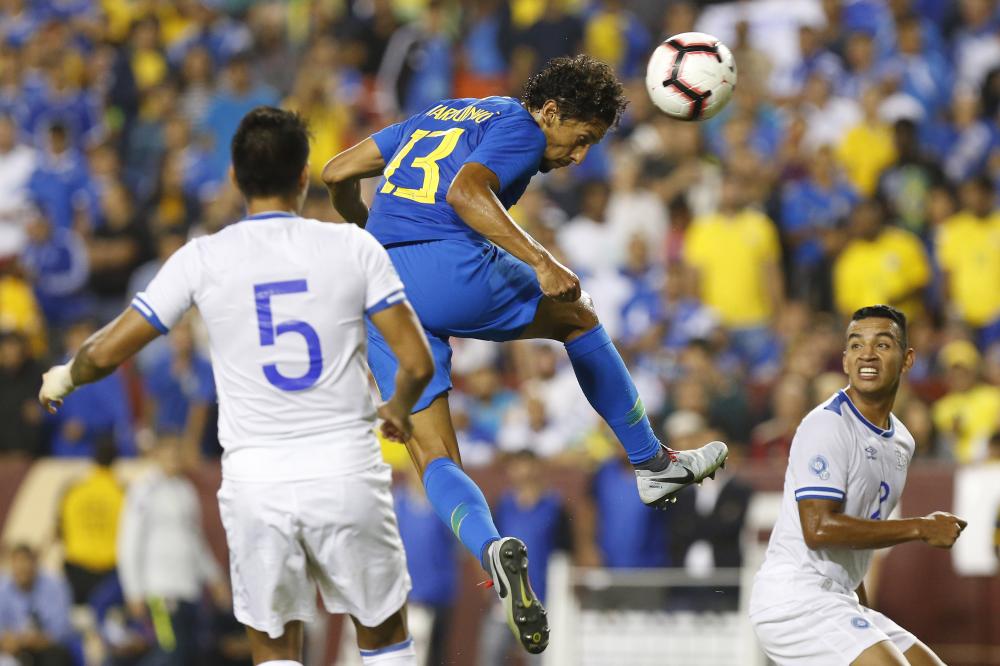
[57, 383]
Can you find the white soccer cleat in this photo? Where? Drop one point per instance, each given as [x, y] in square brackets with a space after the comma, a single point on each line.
[508, 564]
[657, 489]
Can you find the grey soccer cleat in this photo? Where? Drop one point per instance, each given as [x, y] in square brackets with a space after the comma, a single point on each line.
[657, 489]
[508, 565]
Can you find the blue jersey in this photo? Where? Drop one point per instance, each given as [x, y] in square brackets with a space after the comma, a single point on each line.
[423, 154]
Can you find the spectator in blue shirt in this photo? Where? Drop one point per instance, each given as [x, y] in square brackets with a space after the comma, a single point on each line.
[918, 71]
[62, 184]
[34, 614]
[181, 390]
[96, 409]
[537, 515]
[814, 211]
[61, 100]
[431, 561]
[229, 105]
[56, 259]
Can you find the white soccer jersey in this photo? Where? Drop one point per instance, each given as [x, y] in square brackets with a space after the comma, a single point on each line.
[284, 300]
[836, 454]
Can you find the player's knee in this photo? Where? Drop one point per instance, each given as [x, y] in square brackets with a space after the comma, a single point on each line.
[582, 317]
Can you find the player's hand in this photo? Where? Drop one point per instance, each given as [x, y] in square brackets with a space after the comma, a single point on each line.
[941, 529]
[396, 424]
[57, 383]
[557, 281]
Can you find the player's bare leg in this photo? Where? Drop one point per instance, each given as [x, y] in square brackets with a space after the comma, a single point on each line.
[660, 472]
[433, 447]
[285, 648]
[921, 655]
[881, 654]
[388, 644]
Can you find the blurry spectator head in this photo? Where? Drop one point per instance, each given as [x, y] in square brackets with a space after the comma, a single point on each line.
[77, 333]
[904, 135]
[238, 72]
[14, 351]
[637, 257]
[104, 161]
[8, 132]
[860, 51]
[145, 33]
[483, 383]
[871, 102]
[58, 136]
[960, 360]
[270, 155]
[965, 108]
[524, 471]
[545, 361]
[680, 18]
[991, 364]
[733, 197]
[176, 133]
[116, 206]
[691, 394]
[105, 450]
[791, 398]
[576, 100]
[976, 13]
[910, 35]
[684, 429]
[827, 384]
[23, 566]
[594, 195]
[976, 196]
[198, 68]
[919, 422]
[810, 41]
[867, 218]
[817, 90]
[940, 203]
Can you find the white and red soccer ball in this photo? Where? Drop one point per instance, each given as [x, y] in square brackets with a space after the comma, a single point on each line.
[691, 76]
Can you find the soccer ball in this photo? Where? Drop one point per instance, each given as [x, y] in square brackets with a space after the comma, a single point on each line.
[691, 76]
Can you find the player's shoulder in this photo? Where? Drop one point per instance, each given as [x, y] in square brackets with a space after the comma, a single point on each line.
[827, 418]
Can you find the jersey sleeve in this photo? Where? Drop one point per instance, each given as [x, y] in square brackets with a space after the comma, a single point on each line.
[172, 291]
[511, 147]
[383, 288]
[388, 140]
[819, 459]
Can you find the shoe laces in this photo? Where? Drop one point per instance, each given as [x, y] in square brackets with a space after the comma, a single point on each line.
[671, 453]
[485, 584]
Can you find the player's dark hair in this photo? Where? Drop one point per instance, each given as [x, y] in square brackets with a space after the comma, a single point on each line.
[585, 89]
[884, 312]
[269, 151]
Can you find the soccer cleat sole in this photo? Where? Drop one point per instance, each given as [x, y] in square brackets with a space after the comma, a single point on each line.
[525, 615]
[664, 502]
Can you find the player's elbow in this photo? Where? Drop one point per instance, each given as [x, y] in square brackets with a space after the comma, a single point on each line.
[418, 365]
[457, 195]
[333, 172]
[816, 536]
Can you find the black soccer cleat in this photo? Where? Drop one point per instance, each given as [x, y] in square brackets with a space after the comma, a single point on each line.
[508, 564]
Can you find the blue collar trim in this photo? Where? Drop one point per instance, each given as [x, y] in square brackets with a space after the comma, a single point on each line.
[845, 399]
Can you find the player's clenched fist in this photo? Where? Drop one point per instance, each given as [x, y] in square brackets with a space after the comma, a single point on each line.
[557, 281]
[57, 383]
[396, 425]
[941, 529]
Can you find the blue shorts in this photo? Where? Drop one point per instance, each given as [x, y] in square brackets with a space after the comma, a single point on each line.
[460, 288]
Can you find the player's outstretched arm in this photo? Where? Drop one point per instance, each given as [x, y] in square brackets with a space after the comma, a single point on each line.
[473, 196]
[824, 525]
[103, 351]
[343, 174]
[401, 329]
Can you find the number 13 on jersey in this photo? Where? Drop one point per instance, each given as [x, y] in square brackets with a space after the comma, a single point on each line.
[432, 174]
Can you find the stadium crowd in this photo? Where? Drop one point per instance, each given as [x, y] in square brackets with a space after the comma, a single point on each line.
[858, 163]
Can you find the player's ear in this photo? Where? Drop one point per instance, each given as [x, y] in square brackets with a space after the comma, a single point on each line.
[232, 177]
[304, 176]
[550, 112]
[843, 362]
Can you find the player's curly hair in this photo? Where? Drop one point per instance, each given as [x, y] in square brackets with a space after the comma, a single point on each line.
[585, 89]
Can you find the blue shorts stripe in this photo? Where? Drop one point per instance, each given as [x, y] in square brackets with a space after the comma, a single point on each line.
[142, 307]
[387, 649]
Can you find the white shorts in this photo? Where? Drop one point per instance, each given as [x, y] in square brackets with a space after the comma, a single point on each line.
[828, 629]
[337, 534]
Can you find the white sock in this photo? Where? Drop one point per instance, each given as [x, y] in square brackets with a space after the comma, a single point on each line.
[398, 654]
[280, 662]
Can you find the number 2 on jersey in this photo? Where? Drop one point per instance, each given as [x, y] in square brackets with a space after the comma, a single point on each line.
[432, 174]
[268, 332]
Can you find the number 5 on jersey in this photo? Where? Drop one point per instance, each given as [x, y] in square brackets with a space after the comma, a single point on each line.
[269, 332]
[432, 174]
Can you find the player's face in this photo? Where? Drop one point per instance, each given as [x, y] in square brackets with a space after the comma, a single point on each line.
[567, 141]
[874, 359]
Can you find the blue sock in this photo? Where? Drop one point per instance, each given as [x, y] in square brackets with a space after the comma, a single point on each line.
[460, 503]
[609, 388]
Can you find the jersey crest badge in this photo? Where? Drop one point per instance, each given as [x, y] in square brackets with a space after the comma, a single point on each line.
[820, 467]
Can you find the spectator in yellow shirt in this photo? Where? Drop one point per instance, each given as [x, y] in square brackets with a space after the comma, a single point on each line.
[968, 415]
[968, 251]
[867, 148]
[880, 264]
[88, 521]
[734, 259]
